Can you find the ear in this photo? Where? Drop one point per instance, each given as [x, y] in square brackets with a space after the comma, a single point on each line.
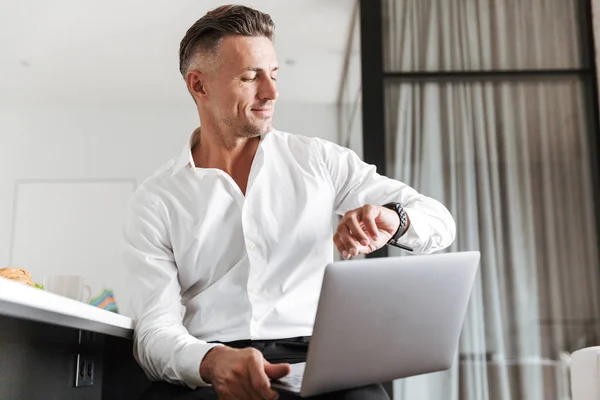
[195, 81]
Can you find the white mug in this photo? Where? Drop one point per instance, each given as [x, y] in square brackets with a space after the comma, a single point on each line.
[70, 286]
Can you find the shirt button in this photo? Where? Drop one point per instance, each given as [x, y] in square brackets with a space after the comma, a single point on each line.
[251, 246]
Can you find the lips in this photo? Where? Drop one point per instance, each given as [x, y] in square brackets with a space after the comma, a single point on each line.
[264, 112]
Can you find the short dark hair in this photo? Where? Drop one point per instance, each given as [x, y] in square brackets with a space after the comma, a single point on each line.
[208, 32]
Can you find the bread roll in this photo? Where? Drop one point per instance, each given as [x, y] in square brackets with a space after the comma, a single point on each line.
[17, 274]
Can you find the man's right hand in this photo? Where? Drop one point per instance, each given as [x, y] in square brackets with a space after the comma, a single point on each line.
[241, 373]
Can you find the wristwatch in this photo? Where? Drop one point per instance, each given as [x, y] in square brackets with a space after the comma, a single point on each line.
[401, 228]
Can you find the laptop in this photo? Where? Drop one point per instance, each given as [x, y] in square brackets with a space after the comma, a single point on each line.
[381, 319]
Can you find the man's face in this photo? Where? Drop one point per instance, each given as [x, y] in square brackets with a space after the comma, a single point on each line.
[241, 91]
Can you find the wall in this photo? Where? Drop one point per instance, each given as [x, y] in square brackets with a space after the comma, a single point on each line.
[86, 144]
[350, 99]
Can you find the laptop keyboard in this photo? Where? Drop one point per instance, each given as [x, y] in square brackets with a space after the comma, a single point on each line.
[293, 381]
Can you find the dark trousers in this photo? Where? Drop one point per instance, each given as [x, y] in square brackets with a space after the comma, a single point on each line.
[291, 351]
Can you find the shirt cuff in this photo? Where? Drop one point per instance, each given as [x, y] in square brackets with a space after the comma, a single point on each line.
[418, 231]
[190, 363]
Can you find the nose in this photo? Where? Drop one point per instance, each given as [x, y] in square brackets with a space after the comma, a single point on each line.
[268, 89]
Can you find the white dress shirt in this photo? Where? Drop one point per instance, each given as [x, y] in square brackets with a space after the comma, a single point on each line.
[248, 267]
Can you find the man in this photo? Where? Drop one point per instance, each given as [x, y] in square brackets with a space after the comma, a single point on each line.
[238, 228]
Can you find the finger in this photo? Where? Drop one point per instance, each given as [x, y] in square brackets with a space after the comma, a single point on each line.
[261, 386]
[239, 391]
[277, 371]
[342, 230]
[247, 392]
[368, 219]
[240, 388]
[338, 240]
[231, 392]
[357, 231]
[338, 243]
[349, 243]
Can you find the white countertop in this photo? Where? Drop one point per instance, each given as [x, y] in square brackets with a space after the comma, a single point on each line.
[26, 302]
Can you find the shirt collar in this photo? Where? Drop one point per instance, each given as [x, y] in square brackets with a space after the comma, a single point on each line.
[186, 159]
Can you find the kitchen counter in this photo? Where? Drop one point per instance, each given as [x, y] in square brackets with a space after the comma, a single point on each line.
[30, 303]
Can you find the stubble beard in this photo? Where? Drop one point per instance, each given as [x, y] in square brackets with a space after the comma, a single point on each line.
[250, 130]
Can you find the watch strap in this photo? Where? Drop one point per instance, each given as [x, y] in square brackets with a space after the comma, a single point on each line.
[397, 207]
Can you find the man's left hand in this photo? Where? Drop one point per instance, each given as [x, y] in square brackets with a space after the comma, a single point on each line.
[365, 229]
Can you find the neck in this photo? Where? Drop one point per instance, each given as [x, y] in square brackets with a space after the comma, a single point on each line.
[233, 155]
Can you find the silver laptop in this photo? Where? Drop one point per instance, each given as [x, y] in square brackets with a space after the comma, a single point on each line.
[383, 319]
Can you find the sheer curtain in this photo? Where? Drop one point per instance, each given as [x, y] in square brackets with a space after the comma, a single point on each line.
[475, 35]
[510, 158]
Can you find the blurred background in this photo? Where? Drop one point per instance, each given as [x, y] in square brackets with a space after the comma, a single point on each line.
[490, 106]
[92, 102]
